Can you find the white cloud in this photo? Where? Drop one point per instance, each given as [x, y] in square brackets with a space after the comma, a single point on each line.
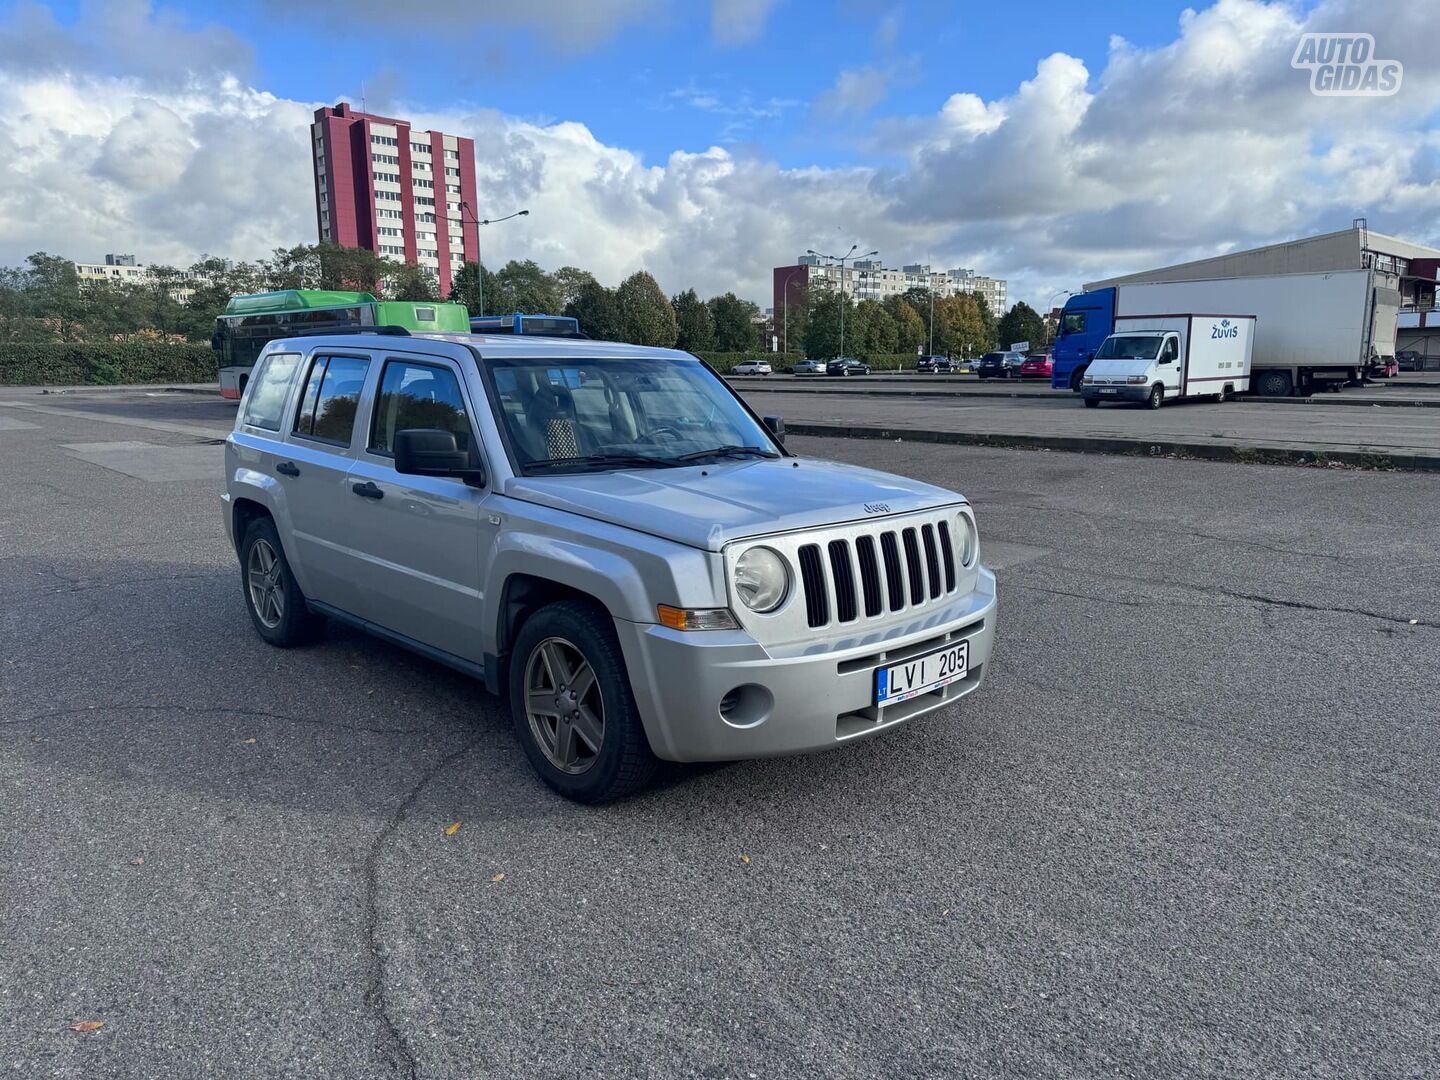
[855, 90]
[1210, 141]
[735, 22]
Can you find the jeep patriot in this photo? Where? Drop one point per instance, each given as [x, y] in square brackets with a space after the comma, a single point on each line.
[607, 535]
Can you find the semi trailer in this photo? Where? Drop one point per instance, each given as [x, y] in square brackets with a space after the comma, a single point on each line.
[1312, 331]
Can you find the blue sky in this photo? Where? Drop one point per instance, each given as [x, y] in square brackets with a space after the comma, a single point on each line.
[663, 82]
[708, 141]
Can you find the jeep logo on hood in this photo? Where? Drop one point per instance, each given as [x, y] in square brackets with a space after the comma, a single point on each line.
[877, 508]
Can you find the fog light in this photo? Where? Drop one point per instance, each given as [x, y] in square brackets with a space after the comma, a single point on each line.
[746, 706]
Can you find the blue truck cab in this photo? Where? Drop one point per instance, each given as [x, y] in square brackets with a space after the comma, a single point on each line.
[1088, 319]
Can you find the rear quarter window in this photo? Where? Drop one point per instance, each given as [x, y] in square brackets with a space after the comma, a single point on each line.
[269, 388]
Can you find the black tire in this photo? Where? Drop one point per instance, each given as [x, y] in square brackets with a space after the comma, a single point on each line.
[1273, 384]
[1092, 403]
[1222, 395]
[624, 762]
[286, 619]
[1157, 397]
[982, 378]
[1075, 379]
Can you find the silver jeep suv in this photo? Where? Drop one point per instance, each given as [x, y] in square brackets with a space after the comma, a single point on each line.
[609, 536]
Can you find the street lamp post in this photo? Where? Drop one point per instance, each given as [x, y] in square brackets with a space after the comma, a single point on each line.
[479, 260]
[842, 259]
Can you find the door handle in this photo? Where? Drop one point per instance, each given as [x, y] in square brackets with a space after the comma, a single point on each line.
[367, 490]
[288, 468]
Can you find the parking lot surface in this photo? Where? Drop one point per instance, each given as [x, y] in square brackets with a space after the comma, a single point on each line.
[1188, 828]
[1409, 436]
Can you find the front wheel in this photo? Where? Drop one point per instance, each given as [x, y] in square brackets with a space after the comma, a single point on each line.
[572, 705]
[1222, 395]
[1157, 396]
[1092, 403]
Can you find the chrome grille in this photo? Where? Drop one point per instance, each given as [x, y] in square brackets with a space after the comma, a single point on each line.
[898, 569]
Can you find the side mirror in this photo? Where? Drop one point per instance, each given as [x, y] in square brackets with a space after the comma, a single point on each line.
[434, 452]
[776, 426]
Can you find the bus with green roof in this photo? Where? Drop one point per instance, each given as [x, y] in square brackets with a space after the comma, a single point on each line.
[253, 320]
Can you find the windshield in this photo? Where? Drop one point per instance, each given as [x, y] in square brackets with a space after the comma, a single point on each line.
[626, 412]
[1073, 322]
[1129, 347]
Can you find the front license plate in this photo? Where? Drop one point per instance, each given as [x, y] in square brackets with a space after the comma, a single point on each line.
[1107, 391]
[900, 682]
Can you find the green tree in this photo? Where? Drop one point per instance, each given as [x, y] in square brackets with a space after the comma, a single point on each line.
[696, 324]
[646, 317]
[465, 287]
[1021, 323]
[598, 311]
[961, 328]
[733, 330]
[407, 281]
[875, 333]
[53, 290]
[569, 279]
[822, 322]
[912, 327]
[523, 286]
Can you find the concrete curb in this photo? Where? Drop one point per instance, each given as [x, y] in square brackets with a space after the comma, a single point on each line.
[1086, 444]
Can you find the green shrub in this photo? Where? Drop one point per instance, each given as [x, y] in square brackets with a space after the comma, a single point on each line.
[105, 362]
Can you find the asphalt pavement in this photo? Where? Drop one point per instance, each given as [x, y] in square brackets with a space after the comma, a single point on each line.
[1188, 828]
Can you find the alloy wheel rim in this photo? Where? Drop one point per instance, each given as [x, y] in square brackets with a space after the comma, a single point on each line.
[267, 595]
[563, 705]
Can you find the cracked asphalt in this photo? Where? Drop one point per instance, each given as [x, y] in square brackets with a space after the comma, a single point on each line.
[1188, 828]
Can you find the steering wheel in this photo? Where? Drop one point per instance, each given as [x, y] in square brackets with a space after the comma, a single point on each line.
[669, 432]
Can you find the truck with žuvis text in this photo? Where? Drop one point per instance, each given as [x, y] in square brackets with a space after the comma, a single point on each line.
[1312, 331]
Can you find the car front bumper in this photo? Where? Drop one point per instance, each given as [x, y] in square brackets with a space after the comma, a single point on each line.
[1116, 393]
[817, 700]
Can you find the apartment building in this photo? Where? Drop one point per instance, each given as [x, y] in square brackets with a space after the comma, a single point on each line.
[382, 185]
[870, 279]
[124, 268]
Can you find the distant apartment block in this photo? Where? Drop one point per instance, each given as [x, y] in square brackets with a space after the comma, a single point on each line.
[381, 185]
[869, 279]
[123, 268]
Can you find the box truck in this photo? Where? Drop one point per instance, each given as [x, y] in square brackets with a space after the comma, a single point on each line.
[1311, 330]
[1160, 358]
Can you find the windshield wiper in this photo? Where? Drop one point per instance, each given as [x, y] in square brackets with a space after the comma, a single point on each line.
[731, 451]
[638, 460]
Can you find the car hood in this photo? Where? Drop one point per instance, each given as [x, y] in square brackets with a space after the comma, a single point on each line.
[1115, 369]
[707, 506]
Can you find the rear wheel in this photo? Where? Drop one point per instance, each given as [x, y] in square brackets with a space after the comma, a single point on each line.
[1075, 377]
[277, 606]
[1273, 384]
[1222, 395]
[572, 705]
[1157, 396]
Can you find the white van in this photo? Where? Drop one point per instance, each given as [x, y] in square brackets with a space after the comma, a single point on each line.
[1160, 358]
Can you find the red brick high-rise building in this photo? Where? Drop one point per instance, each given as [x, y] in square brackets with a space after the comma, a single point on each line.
[383, 186]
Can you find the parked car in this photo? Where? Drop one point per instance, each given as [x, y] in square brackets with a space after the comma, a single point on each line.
[1383, 367]
[967, 366]
[934, 365]
[1000, 365]
[631, 558]
[807, 367]
[751, 367]
[846, 365]
[1036, 366]
[1410, 360]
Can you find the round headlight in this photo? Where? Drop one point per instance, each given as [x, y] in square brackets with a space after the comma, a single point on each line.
[967, 539]
[761, 579]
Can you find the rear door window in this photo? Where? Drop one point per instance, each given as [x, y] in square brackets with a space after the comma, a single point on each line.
[269, 388]
[331, 398]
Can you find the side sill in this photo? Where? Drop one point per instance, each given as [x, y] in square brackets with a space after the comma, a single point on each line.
[482, 671]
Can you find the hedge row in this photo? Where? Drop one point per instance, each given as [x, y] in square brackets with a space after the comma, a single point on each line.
[109, 362]
[723, 362]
